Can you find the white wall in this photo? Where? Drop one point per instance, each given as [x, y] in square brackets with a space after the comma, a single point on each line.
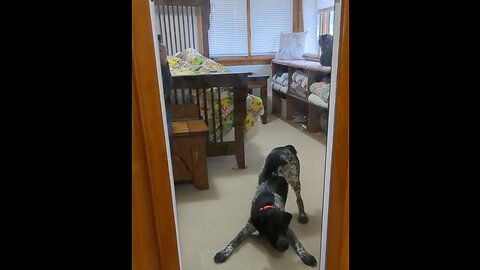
[262, 69]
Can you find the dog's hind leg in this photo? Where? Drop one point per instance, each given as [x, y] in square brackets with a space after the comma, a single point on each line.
[294, 181]
[223, 255]
[306, 257]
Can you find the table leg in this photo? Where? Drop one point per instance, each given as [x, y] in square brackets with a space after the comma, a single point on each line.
[264, 97]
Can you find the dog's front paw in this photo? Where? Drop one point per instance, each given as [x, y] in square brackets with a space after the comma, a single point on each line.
[303, 219]
[220, 257]
[309, 260]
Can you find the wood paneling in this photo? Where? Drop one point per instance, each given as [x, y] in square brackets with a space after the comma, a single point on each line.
[245, 60]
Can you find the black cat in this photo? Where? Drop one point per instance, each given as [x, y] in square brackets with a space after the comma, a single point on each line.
[326, 44]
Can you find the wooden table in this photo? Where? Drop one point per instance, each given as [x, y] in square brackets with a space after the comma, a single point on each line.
[256, 80]
[198, 84]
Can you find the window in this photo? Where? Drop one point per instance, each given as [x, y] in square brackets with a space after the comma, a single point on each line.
[325, 19]
[317, 20]
[325, 24]
[232, 22]
[330, 29]
[244, 30]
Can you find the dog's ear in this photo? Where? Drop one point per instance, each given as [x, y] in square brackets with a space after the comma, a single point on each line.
[291, 148]
[287, 217]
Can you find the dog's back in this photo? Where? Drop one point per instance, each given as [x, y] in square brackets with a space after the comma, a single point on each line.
[272, 190]
[281, 165]
[280, 161]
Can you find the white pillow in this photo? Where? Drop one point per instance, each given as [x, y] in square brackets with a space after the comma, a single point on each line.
[292, 45]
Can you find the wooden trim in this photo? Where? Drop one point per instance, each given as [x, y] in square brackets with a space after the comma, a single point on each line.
[311, 57]
[149, 147]
[249, 30]
[324, 23]
[205, 11]
[144, 244]
[154, 242]
[297, 16]
[245, 60]
[200, 31]
[337, 254]
[191, 3]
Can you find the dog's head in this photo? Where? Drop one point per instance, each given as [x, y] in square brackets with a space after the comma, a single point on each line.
[273, 224]
[324, 41]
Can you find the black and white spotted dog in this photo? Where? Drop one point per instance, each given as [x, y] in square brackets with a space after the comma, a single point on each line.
[268, 215]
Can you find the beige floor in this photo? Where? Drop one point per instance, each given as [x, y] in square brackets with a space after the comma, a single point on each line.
[209, 219]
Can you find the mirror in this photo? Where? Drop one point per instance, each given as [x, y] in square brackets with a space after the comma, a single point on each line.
[247, 87]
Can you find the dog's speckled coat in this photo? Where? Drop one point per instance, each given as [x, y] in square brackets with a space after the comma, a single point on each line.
[281, 166]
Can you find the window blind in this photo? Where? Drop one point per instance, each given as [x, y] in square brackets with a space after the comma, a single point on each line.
[268, 18]
[227, 35]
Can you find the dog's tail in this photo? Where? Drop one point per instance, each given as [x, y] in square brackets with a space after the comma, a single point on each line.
[291, 148]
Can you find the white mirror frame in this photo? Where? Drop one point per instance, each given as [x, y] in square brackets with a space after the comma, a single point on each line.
[331, 119]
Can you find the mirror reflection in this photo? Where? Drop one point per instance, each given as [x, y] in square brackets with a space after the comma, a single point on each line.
[246, 86]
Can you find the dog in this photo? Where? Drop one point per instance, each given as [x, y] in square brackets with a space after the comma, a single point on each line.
[268, 216]
[326, 45]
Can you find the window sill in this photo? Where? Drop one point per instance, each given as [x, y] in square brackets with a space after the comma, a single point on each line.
[311, 57]
[245, 60]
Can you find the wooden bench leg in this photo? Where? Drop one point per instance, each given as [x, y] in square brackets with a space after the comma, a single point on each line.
[275, 100]
[263, 95]
[199, 162]
[239, 114]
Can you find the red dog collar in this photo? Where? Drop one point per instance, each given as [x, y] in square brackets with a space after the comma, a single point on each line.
[265, 207]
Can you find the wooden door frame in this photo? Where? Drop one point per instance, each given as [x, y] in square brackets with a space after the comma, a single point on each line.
[337, 242]
[149, 116]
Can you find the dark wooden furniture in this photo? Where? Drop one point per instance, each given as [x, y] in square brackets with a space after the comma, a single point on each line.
[196, 86]
[189, 154]
[256, 80]
[296, 104]
[178, 33]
